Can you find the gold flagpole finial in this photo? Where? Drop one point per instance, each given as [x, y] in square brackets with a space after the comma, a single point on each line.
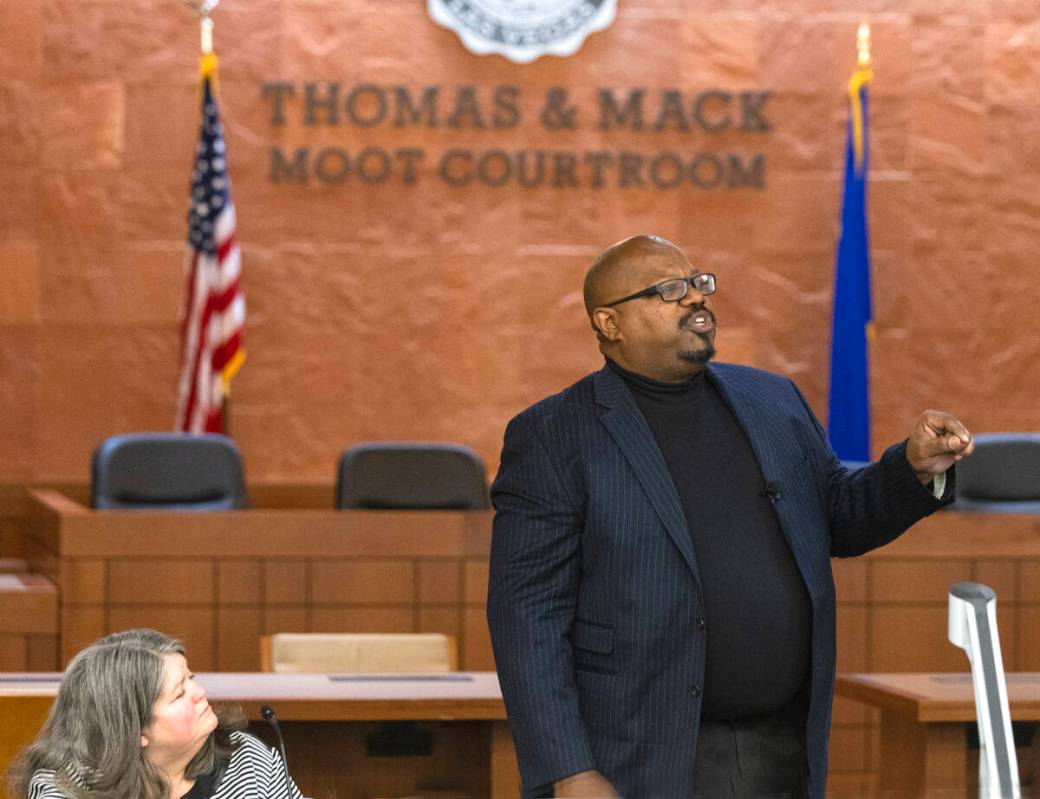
[207, 35]
[204, 7]
[863, 45]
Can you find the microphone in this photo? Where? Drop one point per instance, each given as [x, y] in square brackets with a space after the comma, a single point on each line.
[772, 492]
[268, 713]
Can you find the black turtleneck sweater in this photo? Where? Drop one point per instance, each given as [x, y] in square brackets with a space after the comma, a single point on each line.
[757, 611]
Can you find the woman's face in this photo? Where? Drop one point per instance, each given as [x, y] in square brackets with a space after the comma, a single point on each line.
[181, 717]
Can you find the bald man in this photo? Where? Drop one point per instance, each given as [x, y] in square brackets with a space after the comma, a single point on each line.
[660, 601]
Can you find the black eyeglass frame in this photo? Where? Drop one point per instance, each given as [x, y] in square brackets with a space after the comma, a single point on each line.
[656, 289]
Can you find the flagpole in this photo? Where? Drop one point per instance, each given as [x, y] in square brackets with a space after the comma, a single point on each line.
[204, 8]
[212, 266]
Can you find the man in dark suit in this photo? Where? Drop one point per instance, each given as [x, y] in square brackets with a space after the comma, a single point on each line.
[661, 602]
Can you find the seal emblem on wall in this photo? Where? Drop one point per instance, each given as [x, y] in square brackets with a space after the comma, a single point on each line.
[523, 30]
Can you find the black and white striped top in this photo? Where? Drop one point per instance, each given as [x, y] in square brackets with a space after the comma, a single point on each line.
[255, 771]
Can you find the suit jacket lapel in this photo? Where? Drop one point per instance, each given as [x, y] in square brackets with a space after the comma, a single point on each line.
[742, 403]
[632, 434]
[771, 464]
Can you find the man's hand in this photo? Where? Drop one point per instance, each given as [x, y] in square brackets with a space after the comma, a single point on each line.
[585, 783]
[937, 441]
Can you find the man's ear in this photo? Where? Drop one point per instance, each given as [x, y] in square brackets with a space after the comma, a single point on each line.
[604, 320]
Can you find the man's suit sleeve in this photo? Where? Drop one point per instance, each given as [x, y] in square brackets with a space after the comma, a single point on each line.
[535, 563]
[869, 507]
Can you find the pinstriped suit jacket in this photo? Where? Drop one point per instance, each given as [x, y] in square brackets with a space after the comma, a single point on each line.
[594, 591]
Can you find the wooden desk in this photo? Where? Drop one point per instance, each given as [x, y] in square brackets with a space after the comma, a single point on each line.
[924, 724]
[325, 720]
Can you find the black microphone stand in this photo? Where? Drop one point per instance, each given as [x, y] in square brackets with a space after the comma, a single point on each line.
[268, 713]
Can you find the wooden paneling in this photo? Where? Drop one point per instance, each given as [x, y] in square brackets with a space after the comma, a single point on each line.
[438, 619]
[363, 582]
[852, 637]
[364, 619]
[257, 533]
[42, 652]
[15, 507]
[850, 579]
[1002, 576]
[439, 581]
[238, 630]
[476, 581]
[84, 579]
[291, 570]
[849, 713]
[1029, 581]
[14, 652]
[22, 718]
[149, 581]
[80, 625]
[15, 504]
[285, 620]
[30, 603]
[849, 750]
[1027, 653]
[912, 638]
[332, 760]
[29, 622]
[477, 640]
[285, 581]
[907, 581]
[238, 582]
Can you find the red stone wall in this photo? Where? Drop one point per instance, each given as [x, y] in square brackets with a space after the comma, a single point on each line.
[437, 312]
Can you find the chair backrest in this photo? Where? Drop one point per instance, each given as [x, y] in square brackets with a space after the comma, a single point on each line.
[407, 475]
[168, 471]
[1002, 475]
[358, 653]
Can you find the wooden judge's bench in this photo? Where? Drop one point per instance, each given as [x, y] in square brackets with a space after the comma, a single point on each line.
[221, 580]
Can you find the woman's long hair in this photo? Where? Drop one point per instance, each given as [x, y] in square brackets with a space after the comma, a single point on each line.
[92, 737]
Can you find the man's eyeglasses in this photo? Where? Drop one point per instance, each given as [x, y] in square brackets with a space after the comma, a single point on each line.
[673, 290]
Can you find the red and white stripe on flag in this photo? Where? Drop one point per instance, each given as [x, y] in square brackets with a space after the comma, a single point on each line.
[213, 315]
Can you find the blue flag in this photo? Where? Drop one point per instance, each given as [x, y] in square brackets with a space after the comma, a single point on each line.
[848, 422]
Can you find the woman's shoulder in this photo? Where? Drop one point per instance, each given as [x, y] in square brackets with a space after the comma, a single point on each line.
[44, 785]
[248, 745]
[254, 766]
[250, 753]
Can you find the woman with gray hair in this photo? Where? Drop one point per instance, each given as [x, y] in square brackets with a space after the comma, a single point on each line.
[130, 722]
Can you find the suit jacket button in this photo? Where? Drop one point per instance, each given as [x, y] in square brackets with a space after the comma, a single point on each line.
[695, 689]
[700, 623]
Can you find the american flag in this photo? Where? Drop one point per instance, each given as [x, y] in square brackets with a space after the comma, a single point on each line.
[214, 307]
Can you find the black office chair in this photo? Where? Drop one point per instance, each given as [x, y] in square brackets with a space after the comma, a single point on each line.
[167, 471]
[409, 475]
[1001, 476]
